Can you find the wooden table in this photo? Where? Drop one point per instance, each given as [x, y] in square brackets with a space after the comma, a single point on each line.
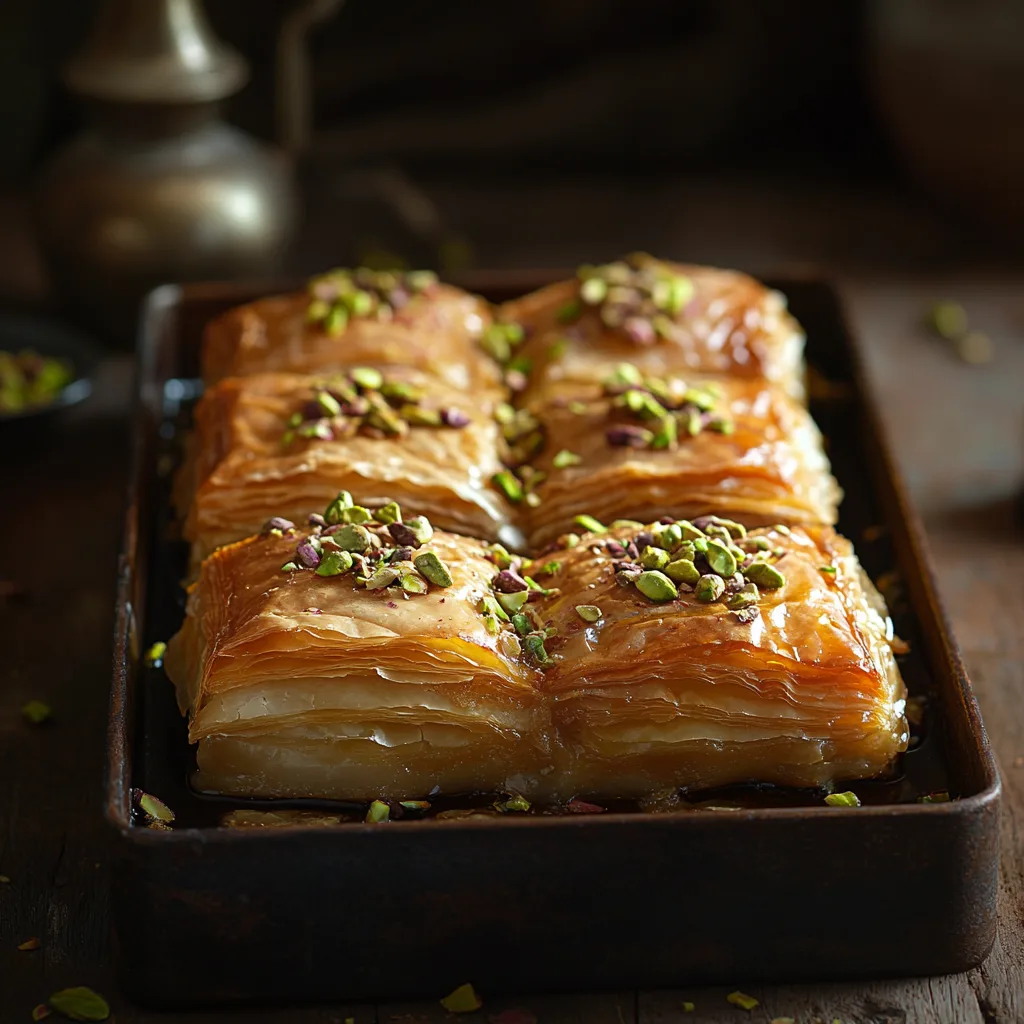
[958, 432]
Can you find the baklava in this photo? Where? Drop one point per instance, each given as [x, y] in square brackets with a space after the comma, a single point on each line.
[354, 660]
[354, 317]
[276, 443]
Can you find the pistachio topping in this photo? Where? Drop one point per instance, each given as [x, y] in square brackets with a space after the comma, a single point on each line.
[666, 409]
[364, 401]
[342, 295]
[515, 802]
[565, 458]
[764, 575]
[509, 484]
[720, 558]
[378, 549]
[590, 524]
[709, 588]
[377, 812]
[433, 568]
[638, 296]
[846, 799]
[742, 1000]
[656, 586]
[588, 612]
[153, 808]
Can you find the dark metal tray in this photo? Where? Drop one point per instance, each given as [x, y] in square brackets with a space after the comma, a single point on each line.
[769, 892]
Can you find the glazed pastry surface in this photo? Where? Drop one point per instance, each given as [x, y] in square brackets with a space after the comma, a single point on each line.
[436, 331]
[249, 464]
[799, 688]
[755, 455]
[720, 321]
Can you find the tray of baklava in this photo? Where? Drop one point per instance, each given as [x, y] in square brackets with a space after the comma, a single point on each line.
[534, 631]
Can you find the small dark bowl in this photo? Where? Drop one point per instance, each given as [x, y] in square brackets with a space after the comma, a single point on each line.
[53, 340]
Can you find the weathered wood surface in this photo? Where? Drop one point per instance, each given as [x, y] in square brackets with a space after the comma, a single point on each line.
[958, 433]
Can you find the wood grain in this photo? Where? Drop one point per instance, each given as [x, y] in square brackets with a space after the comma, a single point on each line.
[958, 434]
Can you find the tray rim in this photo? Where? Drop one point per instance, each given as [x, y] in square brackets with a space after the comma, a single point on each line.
[117, 810]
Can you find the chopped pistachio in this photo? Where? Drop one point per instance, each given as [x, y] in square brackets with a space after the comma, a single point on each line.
[366, 378]
[463, 1000]
[522, 624]
[693, 424]
[846, 799]
[356, 514]
[700, 398]
[490, 606]
[742, 1000]
[631, 524]
[593, 290]
[570, 540]
[534, 644]
[499, 555]
[155, 654]
[154, 808]
[566, 458]
[36, 712]
[720, 425]
[764, 575]
[668, 536]
[508, 484]
[644, 405]
[334, 563]
[783, 529]
[415, 805]
[336, 320]
[743, 598]
[720, 558]
[389, 513]
[328, 404]
[352, 538]
[378, 811]
[413, 583]
[504, 413]
[41, 1012]
[666, 434]
[431, 566]
[289, 567]
[709, 588]
[734, 529]
[420, 280]
[654, 558]
[689, 531]
[80, 1003]
[828, 570]
[515, 802]
[333, 511]
[588, 612]
[420, 528]
[941, 797]
[656, 586]
[682, 570]
[550, 568]
[590, 524]
[513, 602]
[569, 312]
[417, 416]
[382, 577]
[384, 418]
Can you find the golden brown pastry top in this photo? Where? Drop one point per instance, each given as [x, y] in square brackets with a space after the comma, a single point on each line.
[798, 608]
[664, 317]
[435, 329]
[300, 603]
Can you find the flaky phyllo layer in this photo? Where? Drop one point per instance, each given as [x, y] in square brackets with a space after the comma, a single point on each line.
[426, 662]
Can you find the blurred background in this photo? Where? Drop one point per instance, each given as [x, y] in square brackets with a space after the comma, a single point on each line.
[862, 137]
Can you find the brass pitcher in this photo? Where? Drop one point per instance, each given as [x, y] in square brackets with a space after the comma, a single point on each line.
[157, 188]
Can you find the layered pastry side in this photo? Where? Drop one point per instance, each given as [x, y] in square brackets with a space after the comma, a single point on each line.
[356, 656]
[637, 446]
[665, 318]
[276, 443]
[697, 654]
[354, 317]
[363, 656]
